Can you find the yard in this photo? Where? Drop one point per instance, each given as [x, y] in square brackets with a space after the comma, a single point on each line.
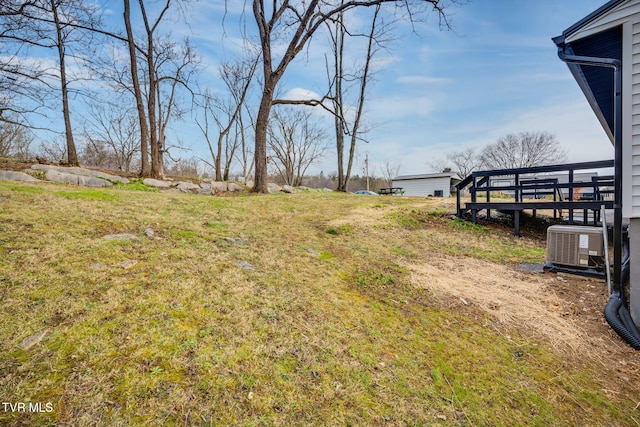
[130, 307]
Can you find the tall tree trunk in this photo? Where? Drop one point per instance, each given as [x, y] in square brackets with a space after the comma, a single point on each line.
[260, 152]
[155, 140]
[72, 156]
[154, 143]
[217, 162]
[142, 118]
[342, 185]
[338, 56]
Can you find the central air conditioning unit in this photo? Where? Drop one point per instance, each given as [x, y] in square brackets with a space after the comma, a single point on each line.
[575, 246]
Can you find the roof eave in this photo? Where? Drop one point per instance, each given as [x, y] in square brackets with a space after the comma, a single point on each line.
[604, 9]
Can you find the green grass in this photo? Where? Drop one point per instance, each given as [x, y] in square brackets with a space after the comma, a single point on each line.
[342, 337]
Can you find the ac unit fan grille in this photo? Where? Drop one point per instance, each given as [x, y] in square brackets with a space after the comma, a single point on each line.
[562, 248]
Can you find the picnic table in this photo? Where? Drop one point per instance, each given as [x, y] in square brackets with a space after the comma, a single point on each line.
[392, 191]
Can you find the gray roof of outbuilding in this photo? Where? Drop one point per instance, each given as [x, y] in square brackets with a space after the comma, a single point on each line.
[427, 176]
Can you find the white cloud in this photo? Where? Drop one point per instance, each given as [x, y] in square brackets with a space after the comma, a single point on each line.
[298, 93]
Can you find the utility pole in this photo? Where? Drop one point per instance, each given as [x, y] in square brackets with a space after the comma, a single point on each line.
[366, 169]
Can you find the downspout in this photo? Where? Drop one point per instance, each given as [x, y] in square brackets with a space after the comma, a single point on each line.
[616, 312]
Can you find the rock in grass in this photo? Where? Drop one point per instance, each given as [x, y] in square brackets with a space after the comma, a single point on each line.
[245, 265]
[236, 239]
[127, 264]
[34, 339]
[16, 176]
[123, 236]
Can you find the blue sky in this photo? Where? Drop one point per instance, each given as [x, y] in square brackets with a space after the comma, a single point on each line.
[436, 91]
[496, 73]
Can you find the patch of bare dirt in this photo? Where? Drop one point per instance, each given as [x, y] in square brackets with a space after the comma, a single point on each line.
[564, 310]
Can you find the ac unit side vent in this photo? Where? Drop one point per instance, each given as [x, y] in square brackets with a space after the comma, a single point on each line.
[576, 246]
[561, 248]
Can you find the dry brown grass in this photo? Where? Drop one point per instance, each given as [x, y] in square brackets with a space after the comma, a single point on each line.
[517, 300]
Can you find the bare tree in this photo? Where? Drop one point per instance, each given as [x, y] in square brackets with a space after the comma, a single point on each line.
[62, 34]
[295, 142]
[342, 81]
[227, 114]
[464, 161]
[390, 170]
[54, 150]
[112, 137]
[157, 61]
[19, 79]
[292, 24]
[184, 167]
[524, 150]
[15, 140]
[137, 92]
[46, 24]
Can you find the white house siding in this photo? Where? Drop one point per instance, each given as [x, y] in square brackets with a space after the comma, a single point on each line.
[424, 186]
[627, 14]
[631, 189]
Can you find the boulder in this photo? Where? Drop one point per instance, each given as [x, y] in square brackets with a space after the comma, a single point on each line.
[16, 176]
[206, 191]
[234, 187]
[273, 188]
[150, 182]
[82, 172]
[219, 186]
[287, 189]
[188, 187]
[87, 181]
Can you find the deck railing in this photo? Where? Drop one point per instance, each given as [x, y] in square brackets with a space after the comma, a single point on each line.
[527, 186]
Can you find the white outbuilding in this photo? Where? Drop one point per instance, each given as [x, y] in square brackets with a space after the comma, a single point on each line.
[434, 184]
